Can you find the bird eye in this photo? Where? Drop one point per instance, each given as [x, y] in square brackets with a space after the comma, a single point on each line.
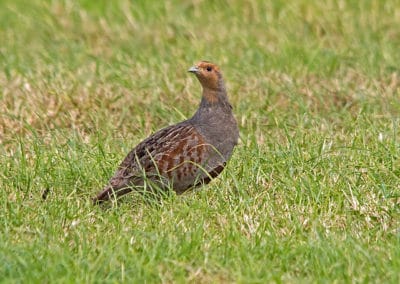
[209, 69]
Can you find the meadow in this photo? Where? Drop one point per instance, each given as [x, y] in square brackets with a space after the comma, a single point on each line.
[310, 195]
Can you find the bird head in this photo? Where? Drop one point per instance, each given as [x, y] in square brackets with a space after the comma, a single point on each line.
[209, 75]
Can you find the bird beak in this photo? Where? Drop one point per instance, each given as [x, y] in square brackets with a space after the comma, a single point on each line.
[194, 69]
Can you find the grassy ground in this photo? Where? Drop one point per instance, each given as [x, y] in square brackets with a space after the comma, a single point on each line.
[311, 194]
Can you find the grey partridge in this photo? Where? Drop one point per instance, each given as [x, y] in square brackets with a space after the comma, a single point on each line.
[184, 155]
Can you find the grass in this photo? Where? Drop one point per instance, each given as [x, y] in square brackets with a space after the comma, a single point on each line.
[311, 193]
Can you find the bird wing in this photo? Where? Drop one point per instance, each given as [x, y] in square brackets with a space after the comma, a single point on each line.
[178, 154]
[175, 147]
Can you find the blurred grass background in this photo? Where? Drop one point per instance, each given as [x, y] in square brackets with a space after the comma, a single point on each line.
[311, 193]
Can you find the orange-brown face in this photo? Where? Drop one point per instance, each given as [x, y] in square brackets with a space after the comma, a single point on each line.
[208, 74]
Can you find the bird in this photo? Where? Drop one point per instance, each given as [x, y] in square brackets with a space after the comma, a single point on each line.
[185, 155]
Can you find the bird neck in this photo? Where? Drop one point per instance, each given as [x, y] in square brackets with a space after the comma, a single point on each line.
[214, 98]
[214, 103]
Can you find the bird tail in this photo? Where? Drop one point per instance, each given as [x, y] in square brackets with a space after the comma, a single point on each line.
[109, 192]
